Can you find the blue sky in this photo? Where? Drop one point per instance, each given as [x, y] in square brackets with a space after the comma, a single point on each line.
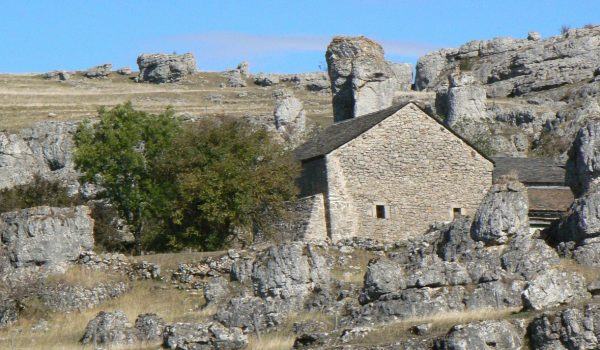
[274, 36]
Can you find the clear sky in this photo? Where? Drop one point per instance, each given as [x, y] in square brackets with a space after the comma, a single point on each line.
[274, 36]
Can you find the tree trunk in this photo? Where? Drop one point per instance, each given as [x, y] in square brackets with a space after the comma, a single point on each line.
[137, 233]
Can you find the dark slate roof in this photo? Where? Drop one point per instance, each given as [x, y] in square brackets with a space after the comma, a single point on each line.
[341, 133]
[531, 171]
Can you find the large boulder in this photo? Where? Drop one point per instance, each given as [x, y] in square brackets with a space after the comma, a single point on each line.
[570, 329]
[100, 71]
[465, 100]
[290, 118]
[362, 81]
[583, 166]
[553, 288]
[502, 215]
[483, 335]
[196, 336]
[164, 68]
[109, 328]
[46, 235]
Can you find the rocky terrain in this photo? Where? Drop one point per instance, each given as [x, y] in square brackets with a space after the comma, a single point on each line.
[481, 282]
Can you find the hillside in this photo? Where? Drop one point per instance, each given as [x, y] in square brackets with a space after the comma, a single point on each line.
[26, 99]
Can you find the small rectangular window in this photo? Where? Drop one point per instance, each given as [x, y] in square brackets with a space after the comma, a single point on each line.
[456, 212]
[380, 211]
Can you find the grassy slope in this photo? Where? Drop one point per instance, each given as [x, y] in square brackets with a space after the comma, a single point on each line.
[25, 99]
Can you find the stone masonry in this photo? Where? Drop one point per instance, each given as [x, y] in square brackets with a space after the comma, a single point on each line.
[410, 166]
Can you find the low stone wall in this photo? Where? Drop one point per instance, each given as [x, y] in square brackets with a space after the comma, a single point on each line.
[305, 220]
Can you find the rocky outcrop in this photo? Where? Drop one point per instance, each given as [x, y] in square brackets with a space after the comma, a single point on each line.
[484, 335]
[45, 150]
[465, 100]
[109, 328]
[512, 67]
[191, 336]
[289, 115]
[573, 328]
[113, 328]
[502, 215]
[362, 81]
[583, 166]
[553, 288]
[164, 68]
[57, 75]
[101, 71]
[45, 235]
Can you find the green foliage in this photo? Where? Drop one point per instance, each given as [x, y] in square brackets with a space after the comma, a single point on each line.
[231, 179]
[37, 193]
[120, 153]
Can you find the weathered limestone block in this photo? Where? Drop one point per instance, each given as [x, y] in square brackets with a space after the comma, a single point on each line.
[483, 335]
[583, 166]
[46, 235]
[465, 100]
[553, 288]
[502, 215]
[362, 81]
[290, 118]
[573, 328]
[163, 68]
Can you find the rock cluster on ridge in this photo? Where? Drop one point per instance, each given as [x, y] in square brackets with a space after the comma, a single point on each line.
[164, 68]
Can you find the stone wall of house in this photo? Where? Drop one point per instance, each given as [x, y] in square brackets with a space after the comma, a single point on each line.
[305, 220]
[410, 164]
[313, 179]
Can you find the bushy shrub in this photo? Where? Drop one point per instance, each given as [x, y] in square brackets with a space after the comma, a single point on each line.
[230, 179]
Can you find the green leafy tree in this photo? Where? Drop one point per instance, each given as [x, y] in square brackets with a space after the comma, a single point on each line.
[231, 178]
[120, 153]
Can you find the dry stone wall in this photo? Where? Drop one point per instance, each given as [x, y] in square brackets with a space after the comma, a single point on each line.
[413, 166]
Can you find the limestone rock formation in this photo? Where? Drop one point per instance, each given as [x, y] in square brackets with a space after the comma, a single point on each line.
[465, 100]
[45, 235]
[44, 150]
[266, 79]
[164, 68]
[290, 118]
[362, 81]
[57, 75]
[149, 327]
[212, 335]
[553, 288]
[513, 67]
[244, 68]
[572, 328]
[100, 71]
[109, 328]
[484, 335]
[583, 166]
[502, 215]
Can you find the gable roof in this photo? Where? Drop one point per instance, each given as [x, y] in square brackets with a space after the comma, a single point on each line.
[531, 171]
[343, 132]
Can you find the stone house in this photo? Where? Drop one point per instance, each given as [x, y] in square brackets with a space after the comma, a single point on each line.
[388, 175]
[549, 196]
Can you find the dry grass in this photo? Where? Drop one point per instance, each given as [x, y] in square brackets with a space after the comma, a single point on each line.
[26, 98]
[65, 329]
[272, 341]
[440, 322]
[80, 276]
[590, 273]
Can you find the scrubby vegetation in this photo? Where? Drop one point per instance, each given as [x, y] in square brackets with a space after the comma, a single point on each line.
[195, 187]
